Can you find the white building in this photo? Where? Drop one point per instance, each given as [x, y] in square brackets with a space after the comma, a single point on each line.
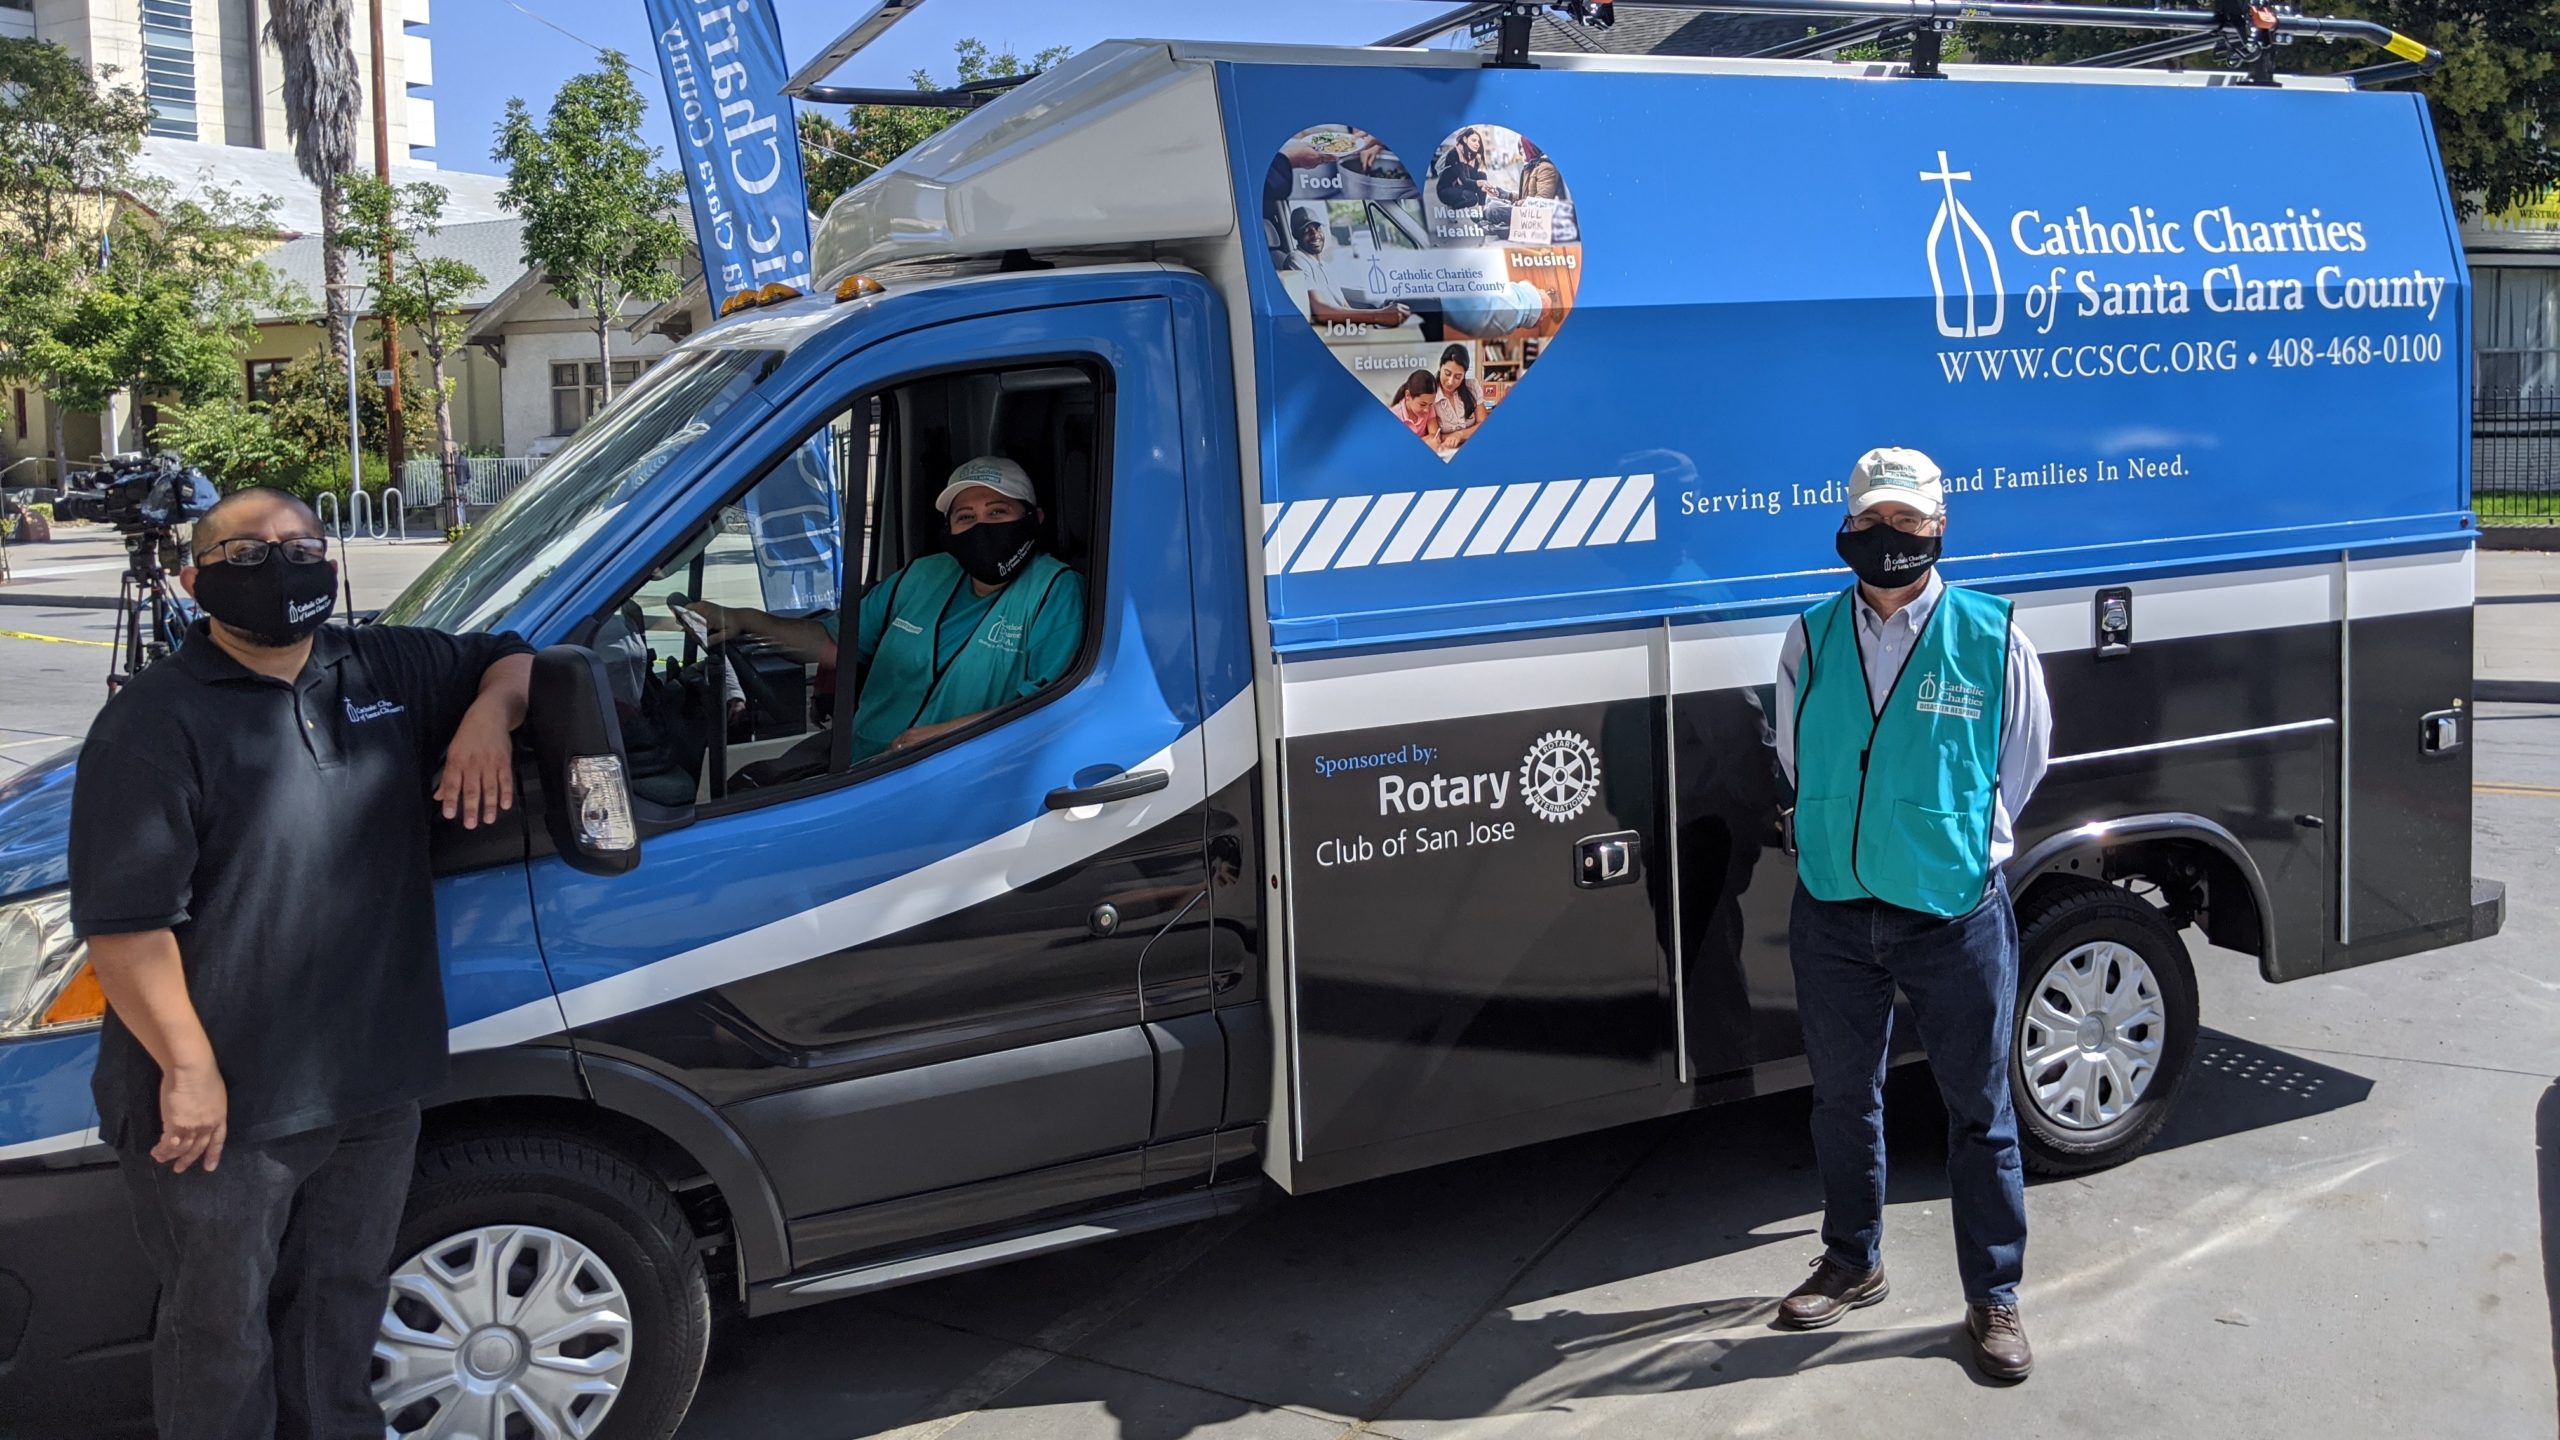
[212, 77]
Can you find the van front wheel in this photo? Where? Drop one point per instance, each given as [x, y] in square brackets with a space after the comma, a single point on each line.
[2106, 1026]
[540, 1287]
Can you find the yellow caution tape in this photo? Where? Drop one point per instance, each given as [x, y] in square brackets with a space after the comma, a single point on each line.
[2404, 47]
[54, 639]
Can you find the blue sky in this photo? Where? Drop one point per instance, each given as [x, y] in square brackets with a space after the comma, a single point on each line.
[488, 50]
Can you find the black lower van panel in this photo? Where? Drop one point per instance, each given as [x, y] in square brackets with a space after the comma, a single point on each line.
[1452, 971]
[75, 1304]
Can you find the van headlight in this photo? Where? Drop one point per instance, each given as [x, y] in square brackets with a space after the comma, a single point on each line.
[45, 983]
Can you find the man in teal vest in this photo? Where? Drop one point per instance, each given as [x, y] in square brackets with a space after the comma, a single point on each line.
[991, 619]
[1912, 717]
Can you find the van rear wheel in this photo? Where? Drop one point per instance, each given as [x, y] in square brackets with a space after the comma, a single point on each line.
[540, 1287]
[2106, 1026]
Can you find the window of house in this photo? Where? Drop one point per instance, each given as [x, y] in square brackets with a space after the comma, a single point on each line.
[19, 404]
[262, 377]
[847, 637]
[577, 390]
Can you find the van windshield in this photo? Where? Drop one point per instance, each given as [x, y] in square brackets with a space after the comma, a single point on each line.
[508, 552]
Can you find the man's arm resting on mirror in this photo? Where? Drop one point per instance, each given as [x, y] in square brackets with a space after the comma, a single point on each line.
[146, 986]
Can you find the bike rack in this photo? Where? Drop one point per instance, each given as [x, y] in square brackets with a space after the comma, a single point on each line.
[369, 516]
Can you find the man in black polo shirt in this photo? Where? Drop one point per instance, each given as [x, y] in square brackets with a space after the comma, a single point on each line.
[249, 866]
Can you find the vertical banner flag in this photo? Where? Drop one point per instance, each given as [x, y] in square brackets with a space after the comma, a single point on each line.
[738, 141]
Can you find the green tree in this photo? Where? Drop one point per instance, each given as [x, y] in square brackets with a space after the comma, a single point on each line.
[596, 206]
[420, 291]
[67, 141]
[233, 440]
[307, 405]
[836, 156]
[171, 308]
[2496, 101]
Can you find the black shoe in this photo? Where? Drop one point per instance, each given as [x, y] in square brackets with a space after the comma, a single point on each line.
[2000, 1349]
[1833, 1290]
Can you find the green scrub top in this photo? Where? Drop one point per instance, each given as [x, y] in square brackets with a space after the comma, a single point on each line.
[938, 650]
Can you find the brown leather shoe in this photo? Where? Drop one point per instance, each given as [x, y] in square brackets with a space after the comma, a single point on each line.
[1833, 1290]
[1999, 1342]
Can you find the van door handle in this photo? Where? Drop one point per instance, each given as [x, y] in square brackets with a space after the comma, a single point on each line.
[1128, 785]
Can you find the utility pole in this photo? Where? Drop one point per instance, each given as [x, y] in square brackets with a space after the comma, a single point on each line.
[398, 442]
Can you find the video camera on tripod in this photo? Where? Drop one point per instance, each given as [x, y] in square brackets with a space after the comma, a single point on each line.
[146, 498]
[142, 493]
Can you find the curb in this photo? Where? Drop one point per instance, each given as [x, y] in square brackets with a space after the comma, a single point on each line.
[2516, 692]
[59, 602]
[2520, 537]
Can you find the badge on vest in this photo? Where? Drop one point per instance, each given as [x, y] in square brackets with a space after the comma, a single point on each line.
[1949, 697]
[1005, 635]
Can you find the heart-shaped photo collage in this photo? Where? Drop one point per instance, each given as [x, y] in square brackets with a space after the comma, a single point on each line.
[1437, 290]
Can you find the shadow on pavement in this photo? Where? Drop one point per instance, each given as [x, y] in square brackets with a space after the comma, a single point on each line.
[1396, 1275]
[2240, 1085]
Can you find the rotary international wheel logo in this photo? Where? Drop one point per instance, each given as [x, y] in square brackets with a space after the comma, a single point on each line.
[1560, 777]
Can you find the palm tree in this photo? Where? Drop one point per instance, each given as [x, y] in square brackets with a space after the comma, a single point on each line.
[322, 101]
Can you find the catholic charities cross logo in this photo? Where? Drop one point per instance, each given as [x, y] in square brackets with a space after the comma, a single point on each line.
[1949, 697]
[1955, 235]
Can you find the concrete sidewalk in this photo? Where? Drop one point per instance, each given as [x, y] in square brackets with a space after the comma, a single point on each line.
[81, 567]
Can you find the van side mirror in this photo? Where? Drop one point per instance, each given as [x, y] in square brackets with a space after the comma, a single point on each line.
[577, 750]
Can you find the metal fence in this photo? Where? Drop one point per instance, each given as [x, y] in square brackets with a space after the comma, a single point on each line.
[486, 480]
[2515, 458]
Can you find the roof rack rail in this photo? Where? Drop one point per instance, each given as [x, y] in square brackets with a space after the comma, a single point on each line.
[2247, 34]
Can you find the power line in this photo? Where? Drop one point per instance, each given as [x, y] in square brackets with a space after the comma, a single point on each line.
[540, 19]
[546, 20]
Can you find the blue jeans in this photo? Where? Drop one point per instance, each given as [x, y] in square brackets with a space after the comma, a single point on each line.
[273, 1272]
[1961, 977]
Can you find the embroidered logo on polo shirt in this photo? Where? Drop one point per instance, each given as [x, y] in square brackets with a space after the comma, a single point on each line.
[378, 710]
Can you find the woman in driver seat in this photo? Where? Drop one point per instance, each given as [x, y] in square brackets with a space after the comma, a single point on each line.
[991, 619]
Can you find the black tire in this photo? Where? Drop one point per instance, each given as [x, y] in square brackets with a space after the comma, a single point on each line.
[630, 1222]
[2059, 917]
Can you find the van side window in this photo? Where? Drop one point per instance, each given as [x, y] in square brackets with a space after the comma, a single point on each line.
[839, 614]
[718, 660]
[985, 544]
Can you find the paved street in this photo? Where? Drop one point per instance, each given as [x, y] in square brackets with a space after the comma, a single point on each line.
[2352, 1229]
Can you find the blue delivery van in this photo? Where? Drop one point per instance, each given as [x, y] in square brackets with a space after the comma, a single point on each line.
[1445, 449]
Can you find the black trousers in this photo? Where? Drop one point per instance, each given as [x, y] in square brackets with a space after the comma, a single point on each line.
[273, 1273]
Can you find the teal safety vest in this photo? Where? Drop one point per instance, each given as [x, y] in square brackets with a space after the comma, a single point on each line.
[907, 686]
[1896, 805]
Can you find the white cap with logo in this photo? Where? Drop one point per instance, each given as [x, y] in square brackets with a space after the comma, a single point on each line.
[1904, 477]
[995, 473]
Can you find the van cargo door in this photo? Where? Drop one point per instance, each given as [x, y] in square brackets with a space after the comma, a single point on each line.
[1474, 892]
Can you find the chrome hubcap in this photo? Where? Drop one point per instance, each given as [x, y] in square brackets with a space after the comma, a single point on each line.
[507, 1332]
[2089, 1041]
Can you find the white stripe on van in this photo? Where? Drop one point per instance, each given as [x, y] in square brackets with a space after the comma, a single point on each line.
[50, 1145]
[1350, 532]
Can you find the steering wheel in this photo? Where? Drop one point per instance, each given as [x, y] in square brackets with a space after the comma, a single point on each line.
[759, 691]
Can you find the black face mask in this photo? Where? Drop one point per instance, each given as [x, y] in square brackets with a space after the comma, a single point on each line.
[994, 551]
[1885, 557]
[275, 603]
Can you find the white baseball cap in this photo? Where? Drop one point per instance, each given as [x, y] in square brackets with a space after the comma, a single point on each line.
[998, 474]
[1905, 477]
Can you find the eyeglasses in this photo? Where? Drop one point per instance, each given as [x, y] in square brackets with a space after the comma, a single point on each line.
[1907, 524]
[242, 550]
